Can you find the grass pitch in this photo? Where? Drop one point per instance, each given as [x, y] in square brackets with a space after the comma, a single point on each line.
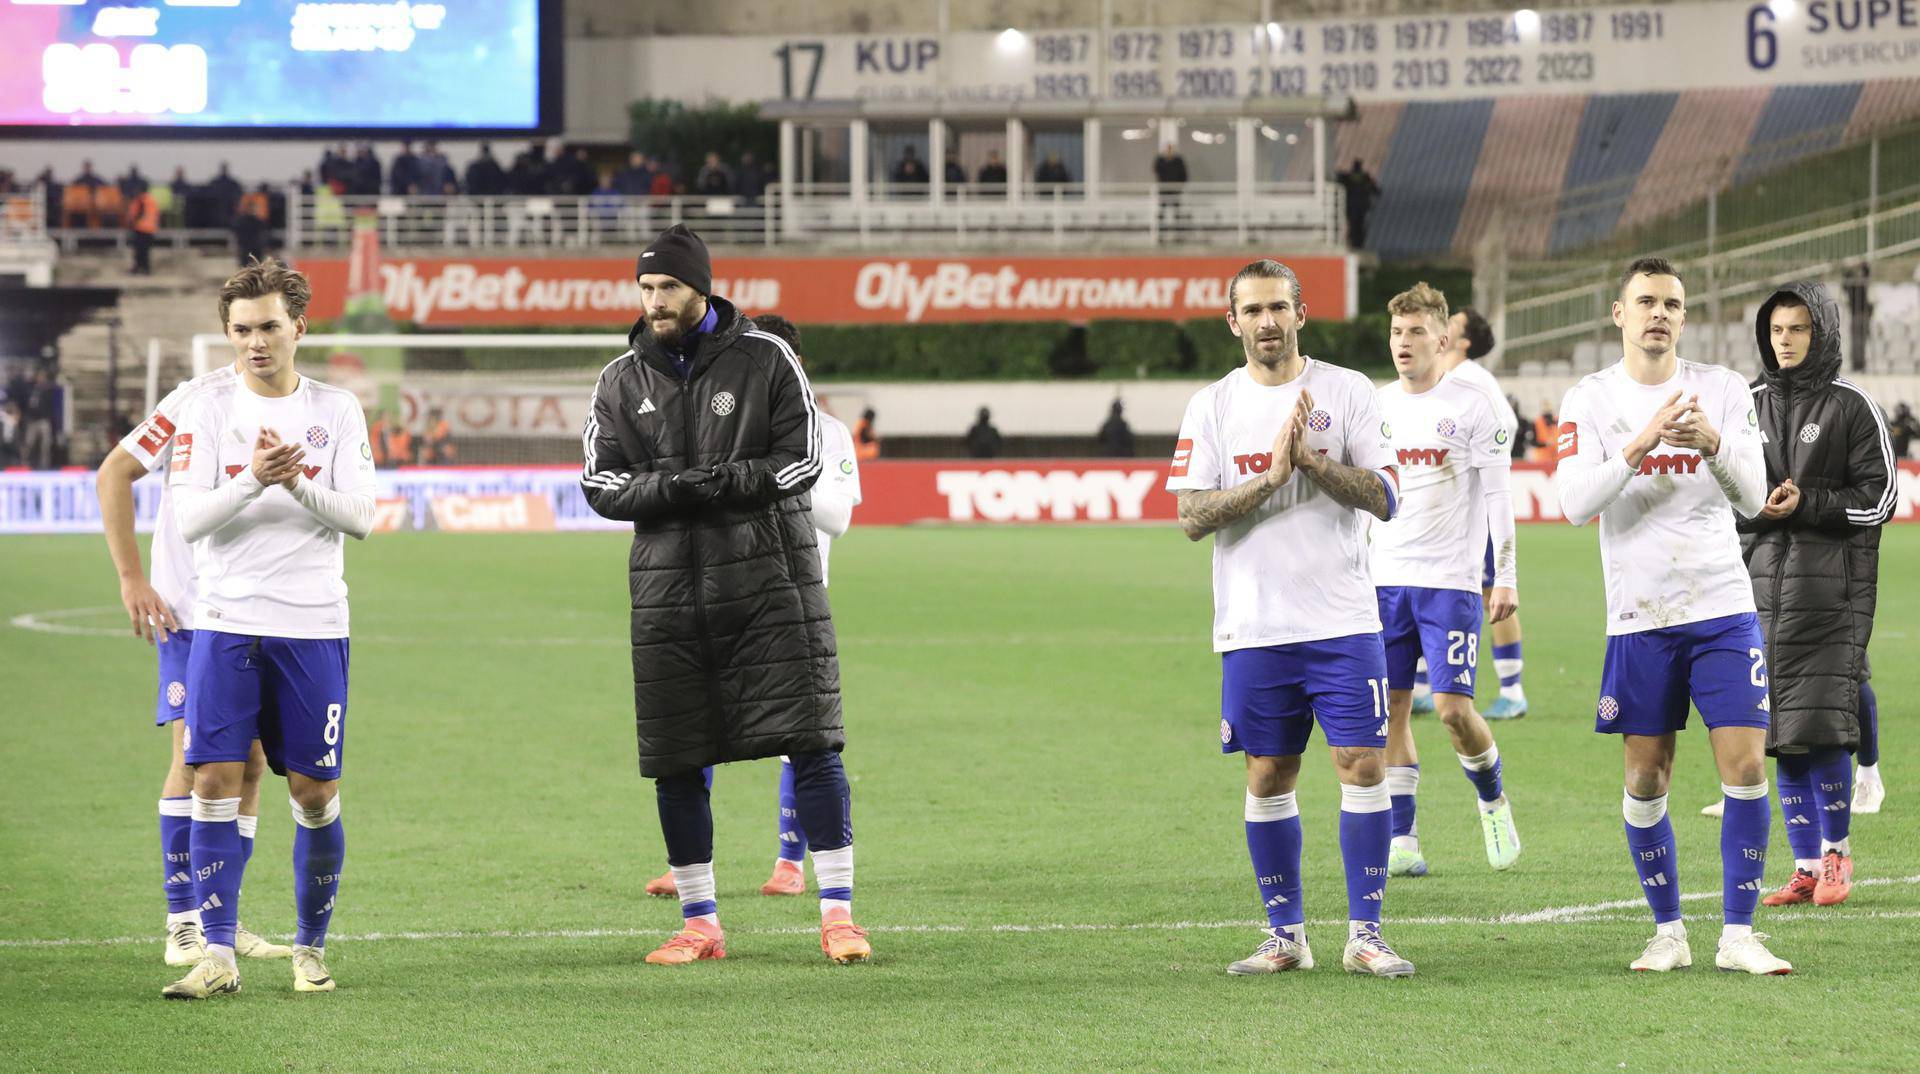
[1050, 849]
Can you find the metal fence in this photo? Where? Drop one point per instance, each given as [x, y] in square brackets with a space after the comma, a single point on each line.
[1064, 216]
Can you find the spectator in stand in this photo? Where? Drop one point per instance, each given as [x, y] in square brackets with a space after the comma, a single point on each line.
[143, 222]
[908, 169]
[437, 448]
[1546, 433]
[573, 174]
[1051, 172]
[436, 172]
[993, 174]
[10, 422]
[636, 179]
[528, 175]
[399, 444]
[132, 183]
[1905, 428]
[1170, 171]
[606, 201]
[983, 440]
[79, 199]
[377, 431]
[39, 408]
[1523, 436]
[336, 165]
[403, 175]
[866, 440]
[1116, 436]
[250, 226]
[485, 177]
[364, 179]
[223, 191]
[750, 179]
[663, 182]
[1361, 192]
[714, 179]
[953, 174]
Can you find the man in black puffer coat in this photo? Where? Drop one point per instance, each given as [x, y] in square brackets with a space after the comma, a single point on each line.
[1814, 555]
[704, 435]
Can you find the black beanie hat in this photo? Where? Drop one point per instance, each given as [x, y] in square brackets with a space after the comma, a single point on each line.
[679, 253]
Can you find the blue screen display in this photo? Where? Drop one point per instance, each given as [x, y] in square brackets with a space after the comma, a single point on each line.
[203, 64]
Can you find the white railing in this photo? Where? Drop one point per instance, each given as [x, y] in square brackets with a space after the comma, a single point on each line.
[1554, 320]
[1060, 216]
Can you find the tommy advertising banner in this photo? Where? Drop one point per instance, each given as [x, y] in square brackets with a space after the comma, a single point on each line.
[897, 493]
[601, 292]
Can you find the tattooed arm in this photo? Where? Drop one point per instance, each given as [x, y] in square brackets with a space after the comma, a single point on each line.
[1203, 511]
[1350, 486]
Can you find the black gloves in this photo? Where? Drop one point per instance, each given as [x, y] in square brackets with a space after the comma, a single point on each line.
[691, 487]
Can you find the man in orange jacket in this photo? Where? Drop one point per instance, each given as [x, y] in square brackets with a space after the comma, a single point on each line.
[143, 220]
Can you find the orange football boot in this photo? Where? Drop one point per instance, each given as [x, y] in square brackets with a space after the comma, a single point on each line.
[697, 941]
[787, 879]
[844, 941]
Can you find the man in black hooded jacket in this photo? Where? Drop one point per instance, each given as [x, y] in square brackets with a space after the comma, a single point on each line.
[1814, 555]
[704, 435]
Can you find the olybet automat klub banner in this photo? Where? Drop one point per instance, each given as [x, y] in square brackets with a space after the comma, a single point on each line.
[602, 293]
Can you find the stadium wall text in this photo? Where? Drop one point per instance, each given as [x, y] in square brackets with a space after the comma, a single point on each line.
[589, 292]
[896, 493]
[1621, 49]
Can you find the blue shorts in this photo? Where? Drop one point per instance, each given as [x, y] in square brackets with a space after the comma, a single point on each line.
[1486, 569]
[171, 704]
[1270, 697]
[1721, 664]
[290, 693]
[1442, 625]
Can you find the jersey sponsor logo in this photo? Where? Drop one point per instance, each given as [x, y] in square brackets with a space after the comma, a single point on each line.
[646, 406]
[1809, 432]
[1182, 455]
[723, 403]
[330, 760]
[1446, 427]
[1569, 440]
[176, 693]
[155, 433]
[1319, 421]
[182, 453]
[316, 436]
[1423, 456]
[366, 450]
[1609, 708]
[1259, 462]
[1657, 880]
[1669, 464]
[1500, 436]
[846, 466]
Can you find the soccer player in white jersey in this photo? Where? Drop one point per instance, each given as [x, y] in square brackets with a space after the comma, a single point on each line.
[162, 613]
[1454, 497]
[269, 473]
[834, 497]
[1278, 460]
[1470, 338]
[1656, 448]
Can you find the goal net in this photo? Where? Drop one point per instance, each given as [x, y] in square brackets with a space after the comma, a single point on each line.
[506, 400]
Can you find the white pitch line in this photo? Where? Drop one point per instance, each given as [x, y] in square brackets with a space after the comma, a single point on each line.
[1591, 913]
